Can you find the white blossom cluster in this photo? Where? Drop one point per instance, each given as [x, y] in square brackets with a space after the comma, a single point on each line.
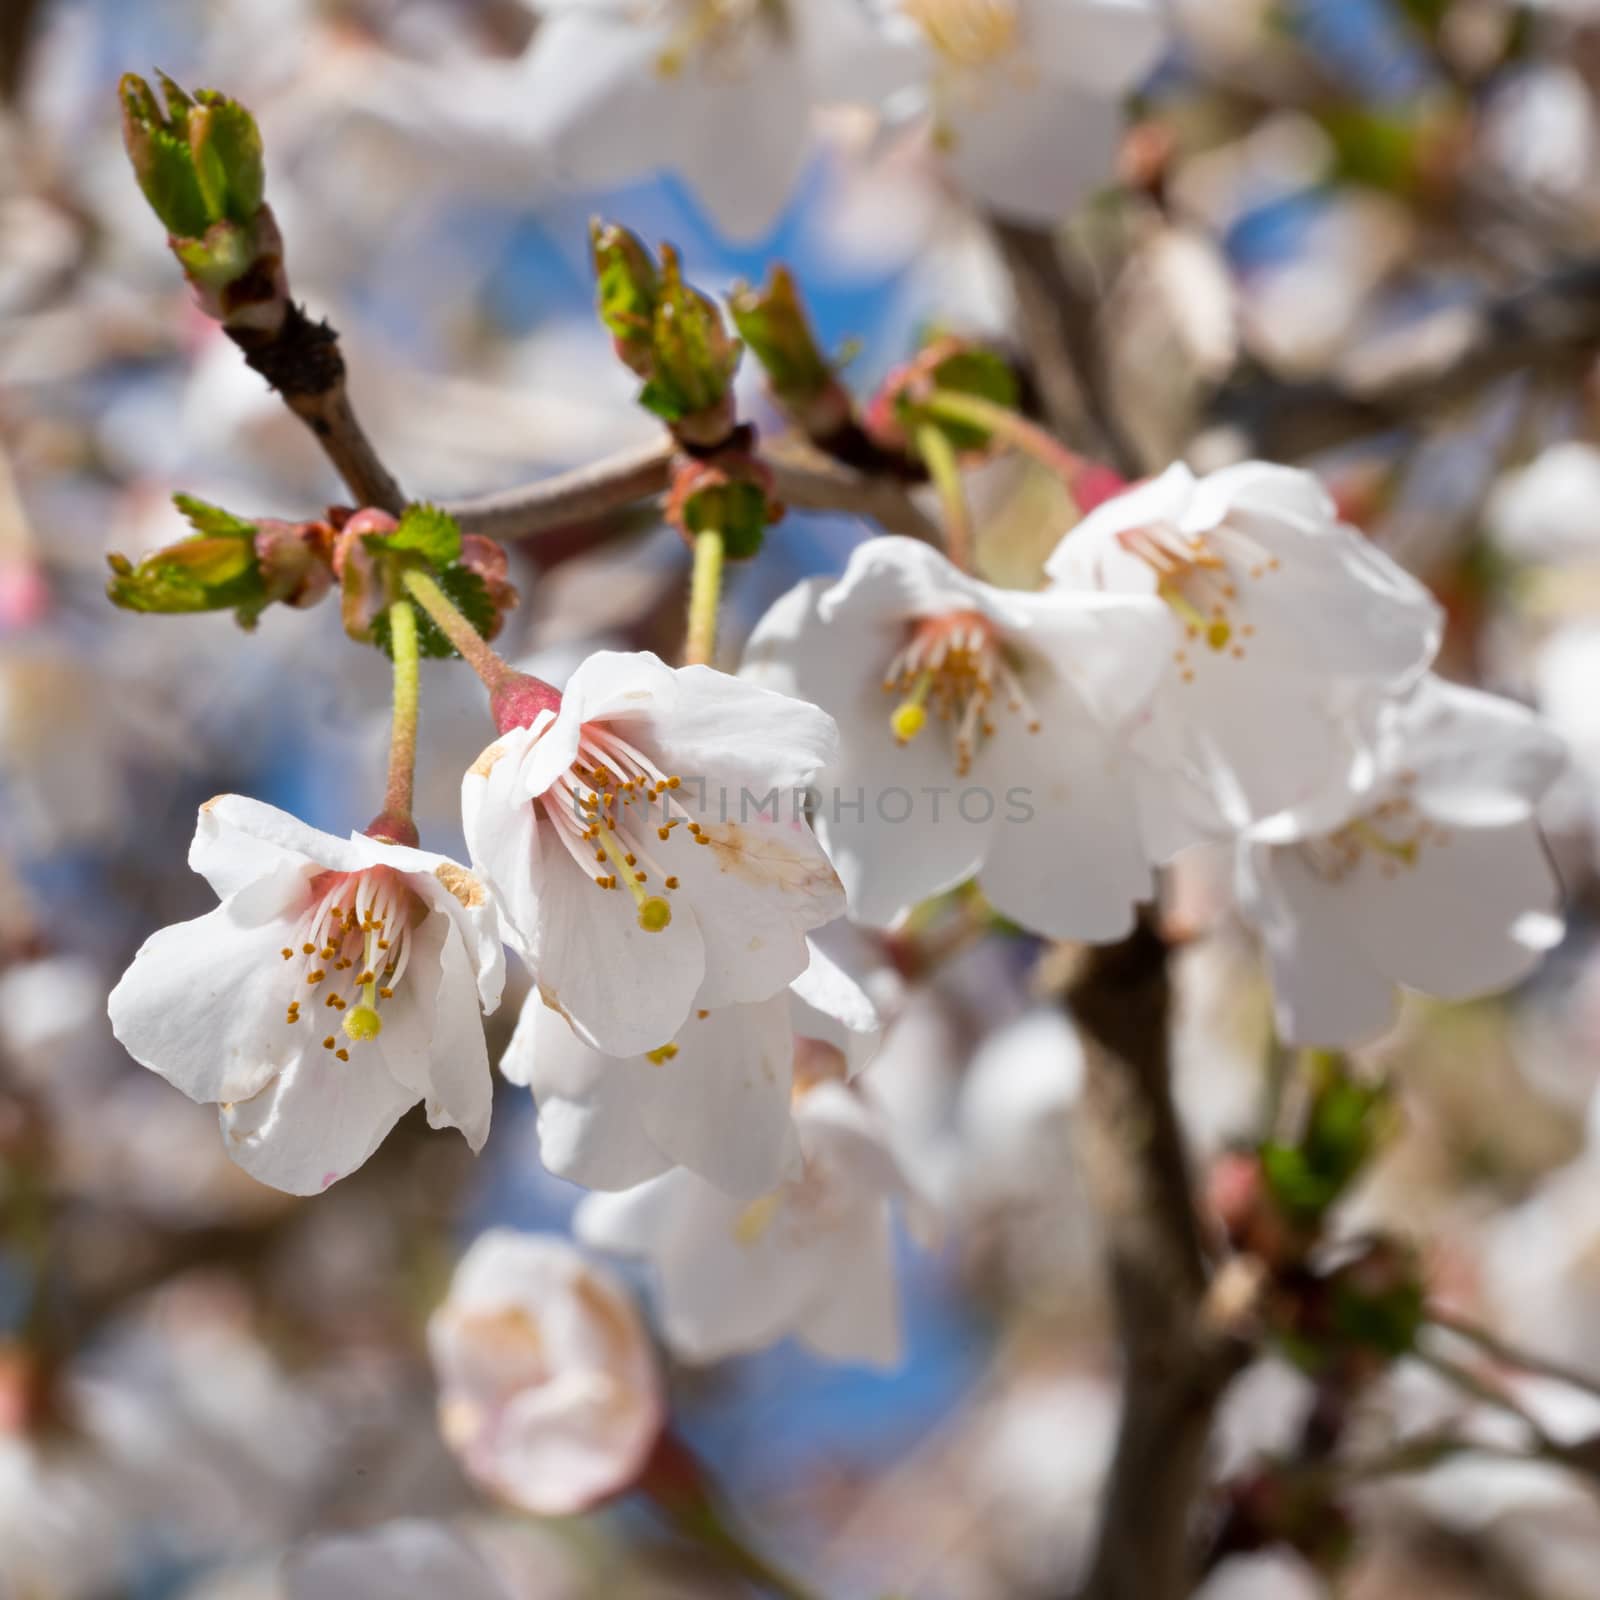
[1214, 659]
[1021, 98]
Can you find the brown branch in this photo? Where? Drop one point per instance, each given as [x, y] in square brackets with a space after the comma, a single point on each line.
[1059, 325]
[1551, 326]
[569, 497]
[1178, 1358]
[803, 478]
[301, 360]
[810, 481]
[19, 21]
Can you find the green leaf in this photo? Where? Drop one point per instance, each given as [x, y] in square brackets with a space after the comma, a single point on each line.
[205, 518]
[773, 323]
[200, 574]
[199, 161]
[626, 282]
[228, 156]
[433, 534]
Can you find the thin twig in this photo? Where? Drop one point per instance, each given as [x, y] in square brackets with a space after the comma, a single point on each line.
[301, 360]
[803, 478]
[1509, 1355]
[809, 481]
[569, 497]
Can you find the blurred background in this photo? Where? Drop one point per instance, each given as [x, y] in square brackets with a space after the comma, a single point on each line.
[1362, 235]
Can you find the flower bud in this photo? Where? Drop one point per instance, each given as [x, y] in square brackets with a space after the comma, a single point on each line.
[668, 333]
[627, 287]
[730, 492]
[296, 560]
[549, 1391]
[199, 162]
[227, 564]
[773, 323]
[489, 561]
[363, 591]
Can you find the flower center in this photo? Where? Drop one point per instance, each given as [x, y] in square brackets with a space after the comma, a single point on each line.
[614, 808]
[954, 666]
[1392, 834]
[1197, 575]
[351, 948]
[968, 33]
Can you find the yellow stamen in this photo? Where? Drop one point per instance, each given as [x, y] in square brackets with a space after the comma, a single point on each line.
[910, 717]
[654, 912]
[662, 1054]
[757, 1218]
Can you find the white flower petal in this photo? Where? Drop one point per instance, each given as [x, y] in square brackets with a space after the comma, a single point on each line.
[826, 1003]
[316, 1122]
[858, 1320]
[590, 1129]
[1478, 759]
[1326, 989]
[727, 733]
[755, 889]
[1032, 152]
[1471, 917]
[238, 841]
[203, 1003]
[624, 990]
[1076, 867]
[432, 1040]
[720, 1107]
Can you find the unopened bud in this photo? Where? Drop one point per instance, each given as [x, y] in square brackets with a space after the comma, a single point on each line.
[773, 323]
[198, 162]
[627, 287]
[488, 560]
[694, 359]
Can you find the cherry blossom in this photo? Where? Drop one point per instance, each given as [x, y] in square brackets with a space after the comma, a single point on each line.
[1435, 878]
[609, 91]
[1288, 620]
[812, 1257]
[336, 985]
[981, 731]
[648, 844]
[1023, 96]
[548, 1387]
[716, 1100]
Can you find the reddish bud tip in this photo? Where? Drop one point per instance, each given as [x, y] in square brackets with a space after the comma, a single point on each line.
[387, 828]
[1094, 485]
[518, 699]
